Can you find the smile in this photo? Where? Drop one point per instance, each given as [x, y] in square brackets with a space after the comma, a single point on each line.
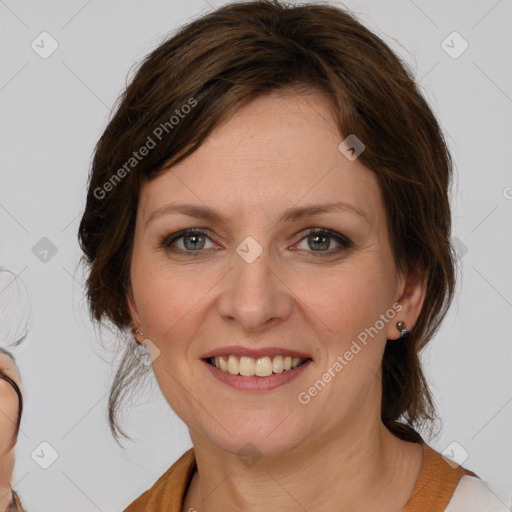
[259, 367]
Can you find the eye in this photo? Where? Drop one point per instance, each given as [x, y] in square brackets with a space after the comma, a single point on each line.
[319, 240]
[192, 240]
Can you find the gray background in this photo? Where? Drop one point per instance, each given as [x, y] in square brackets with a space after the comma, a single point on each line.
[52, 112]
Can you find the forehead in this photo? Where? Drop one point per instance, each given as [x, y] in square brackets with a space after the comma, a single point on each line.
[279, 150]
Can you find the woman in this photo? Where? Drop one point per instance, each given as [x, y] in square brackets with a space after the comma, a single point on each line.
[268, 215]
[11, 407]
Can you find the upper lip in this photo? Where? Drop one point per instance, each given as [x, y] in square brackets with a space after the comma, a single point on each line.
[237, 350]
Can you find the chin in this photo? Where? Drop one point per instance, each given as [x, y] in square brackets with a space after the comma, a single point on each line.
[263, 438]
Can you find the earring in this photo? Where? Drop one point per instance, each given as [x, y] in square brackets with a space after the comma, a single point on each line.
[135, 331]
[404, 333]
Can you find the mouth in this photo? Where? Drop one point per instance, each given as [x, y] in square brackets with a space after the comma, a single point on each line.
[264, 366]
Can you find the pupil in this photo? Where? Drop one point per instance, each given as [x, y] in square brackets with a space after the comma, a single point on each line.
[325, 245]
[192, 237]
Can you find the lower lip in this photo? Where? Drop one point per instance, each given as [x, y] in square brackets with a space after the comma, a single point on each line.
[257, 383]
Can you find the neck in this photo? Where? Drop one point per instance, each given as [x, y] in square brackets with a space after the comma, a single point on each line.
[363, 468]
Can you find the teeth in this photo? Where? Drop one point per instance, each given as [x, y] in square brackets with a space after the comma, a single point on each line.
[247, 366]
[223, 363]
[233, 365]
[261, 367]
[277, 364]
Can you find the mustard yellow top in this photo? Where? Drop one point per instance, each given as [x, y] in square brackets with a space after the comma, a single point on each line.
[433, 490]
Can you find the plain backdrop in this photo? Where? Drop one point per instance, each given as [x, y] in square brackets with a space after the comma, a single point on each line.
[53, 110]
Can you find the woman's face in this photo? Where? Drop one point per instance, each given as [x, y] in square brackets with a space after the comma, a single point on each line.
[259, 283]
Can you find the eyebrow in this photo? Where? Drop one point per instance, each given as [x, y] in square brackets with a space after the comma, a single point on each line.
[291, 215]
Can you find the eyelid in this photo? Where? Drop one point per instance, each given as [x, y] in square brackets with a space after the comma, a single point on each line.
[343, 241]
[166, 241]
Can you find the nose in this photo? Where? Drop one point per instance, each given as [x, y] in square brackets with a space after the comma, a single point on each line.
[254, 295]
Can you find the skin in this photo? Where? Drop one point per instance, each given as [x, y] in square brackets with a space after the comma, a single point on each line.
[334, 453]
[8, 418]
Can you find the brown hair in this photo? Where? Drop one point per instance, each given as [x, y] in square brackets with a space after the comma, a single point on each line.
[220, 62]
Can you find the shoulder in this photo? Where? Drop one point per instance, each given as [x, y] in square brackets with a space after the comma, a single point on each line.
[474, 495]
[169, 489]
[445, 487]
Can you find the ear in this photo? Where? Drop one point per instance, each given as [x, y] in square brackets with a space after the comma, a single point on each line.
[410, 295]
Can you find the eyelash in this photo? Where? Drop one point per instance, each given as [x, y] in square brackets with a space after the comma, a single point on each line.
[166, 242]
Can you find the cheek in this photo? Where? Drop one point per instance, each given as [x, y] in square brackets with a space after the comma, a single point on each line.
[346, 300]
[154, 293]
[168, 306]
[167, 309]
[169, 301]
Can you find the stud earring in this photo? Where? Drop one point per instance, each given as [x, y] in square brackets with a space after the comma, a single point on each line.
[404, 333]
